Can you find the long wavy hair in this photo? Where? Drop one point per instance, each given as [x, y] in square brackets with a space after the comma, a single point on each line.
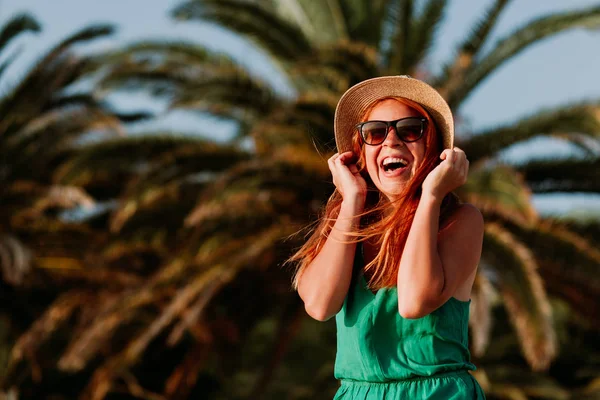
[382, 222]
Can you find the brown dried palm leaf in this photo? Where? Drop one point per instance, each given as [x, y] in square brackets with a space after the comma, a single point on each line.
[114, 314]
[184, 377]
[514, 382]
[32, 199]
[502, 192]
[104, 278]
[523, 294]
[173, 176]
[15, 259]
[244, 252]
[569, 265]
[232, 206]
[99, 328]
[57, 313]
[287, 328]
[203, 286]
[480, 320]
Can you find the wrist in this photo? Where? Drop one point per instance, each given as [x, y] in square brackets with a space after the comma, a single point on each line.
[352, 207]
[432, 198]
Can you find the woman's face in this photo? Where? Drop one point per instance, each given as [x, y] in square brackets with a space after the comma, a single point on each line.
[388, 179]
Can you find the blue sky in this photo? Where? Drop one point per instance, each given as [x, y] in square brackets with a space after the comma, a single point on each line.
[556, 71]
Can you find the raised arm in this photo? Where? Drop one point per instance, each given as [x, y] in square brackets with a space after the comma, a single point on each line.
[435, 266]
[324, 283]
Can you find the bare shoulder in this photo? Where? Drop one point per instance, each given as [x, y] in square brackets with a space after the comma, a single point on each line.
[464, 218]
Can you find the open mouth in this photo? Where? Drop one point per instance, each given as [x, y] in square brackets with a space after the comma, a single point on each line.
[392, 165]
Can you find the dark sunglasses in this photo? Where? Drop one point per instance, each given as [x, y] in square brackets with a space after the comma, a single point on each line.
[408, 130]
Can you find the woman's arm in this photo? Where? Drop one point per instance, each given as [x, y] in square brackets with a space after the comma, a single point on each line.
[432, 269]
[434, 266]
[324, 282]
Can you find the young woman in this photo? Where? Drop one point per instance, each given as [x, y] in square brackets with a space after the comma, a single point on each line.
[395, 254]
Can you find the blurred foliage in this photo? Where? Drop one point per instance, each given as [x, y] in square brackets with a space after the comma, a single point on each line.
[150, 266]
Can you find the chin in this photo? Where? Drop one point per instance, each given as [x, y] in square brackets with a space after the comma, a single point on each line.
[393, 191]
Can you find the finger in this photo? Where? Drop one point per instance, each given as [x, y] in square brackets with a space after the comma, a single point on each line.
[332, 159]
[347, 157]
[450, 156]
[459, 159]
[353, 168]
[461, 154]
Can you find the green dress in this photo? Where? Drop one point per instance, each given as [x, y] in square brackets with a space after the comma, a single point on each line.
[381, 355]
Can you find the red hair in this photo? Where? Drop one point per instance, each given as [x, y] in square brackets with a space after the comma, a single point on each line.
[388, 229]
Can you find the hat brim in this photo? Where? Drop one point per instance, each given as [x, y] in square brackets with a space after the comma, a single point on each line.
[355, 101]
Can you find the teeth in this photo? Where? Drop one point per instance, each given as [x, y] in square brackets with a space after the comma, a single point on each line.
[391, 160]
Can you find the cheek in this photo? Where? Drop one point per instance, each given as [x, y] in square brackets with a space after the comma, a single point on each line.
[418, 154]
[371, 161]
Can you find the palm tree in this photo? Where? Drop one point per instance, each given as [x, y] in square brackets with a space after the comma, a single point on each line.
[200, 225]
[44, 119]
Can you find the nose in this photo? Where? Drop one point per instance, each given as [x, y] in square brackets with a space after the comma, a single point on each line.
[392, 140]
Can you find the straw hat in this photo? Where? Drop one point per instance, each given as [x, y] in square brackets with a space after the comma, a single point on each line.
[355, 101]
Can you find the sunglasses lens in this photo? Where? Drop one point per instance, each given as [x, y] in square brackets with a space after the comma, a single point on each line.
[374, 132]
[410, 130]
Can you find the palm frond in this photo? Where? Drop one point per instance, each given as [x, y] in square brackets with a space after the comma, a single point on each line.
[587, 227]
[7, 62]
[365, 21]
[568, 175]
[396, 39]
[181, 51]
[453, 72]
[423, 30]
[57, 196]
[338, 66]
[568, 263]
[173, 177]
[45, 139]
[480, 321]
[184, 377]
[15, 259]
[27, 201]
[86, 34]
[305, 123]
[158, 65]
[335, 20]
[223, 89]
[120, 157]
[37, 92]
[287, 328]
[523, 293]
[564, 122]
[480, 32]
[500, 191]
[56, 314]
[513, 382]
[17, 25]
[273, 176]
[519, 40]
[268, 30]
[202, 288]
[229, 93]
[307, 15]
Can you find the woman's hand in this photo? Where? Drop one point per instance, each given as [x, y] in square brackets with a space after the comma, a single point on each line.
[448, 175]
[347, 179]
